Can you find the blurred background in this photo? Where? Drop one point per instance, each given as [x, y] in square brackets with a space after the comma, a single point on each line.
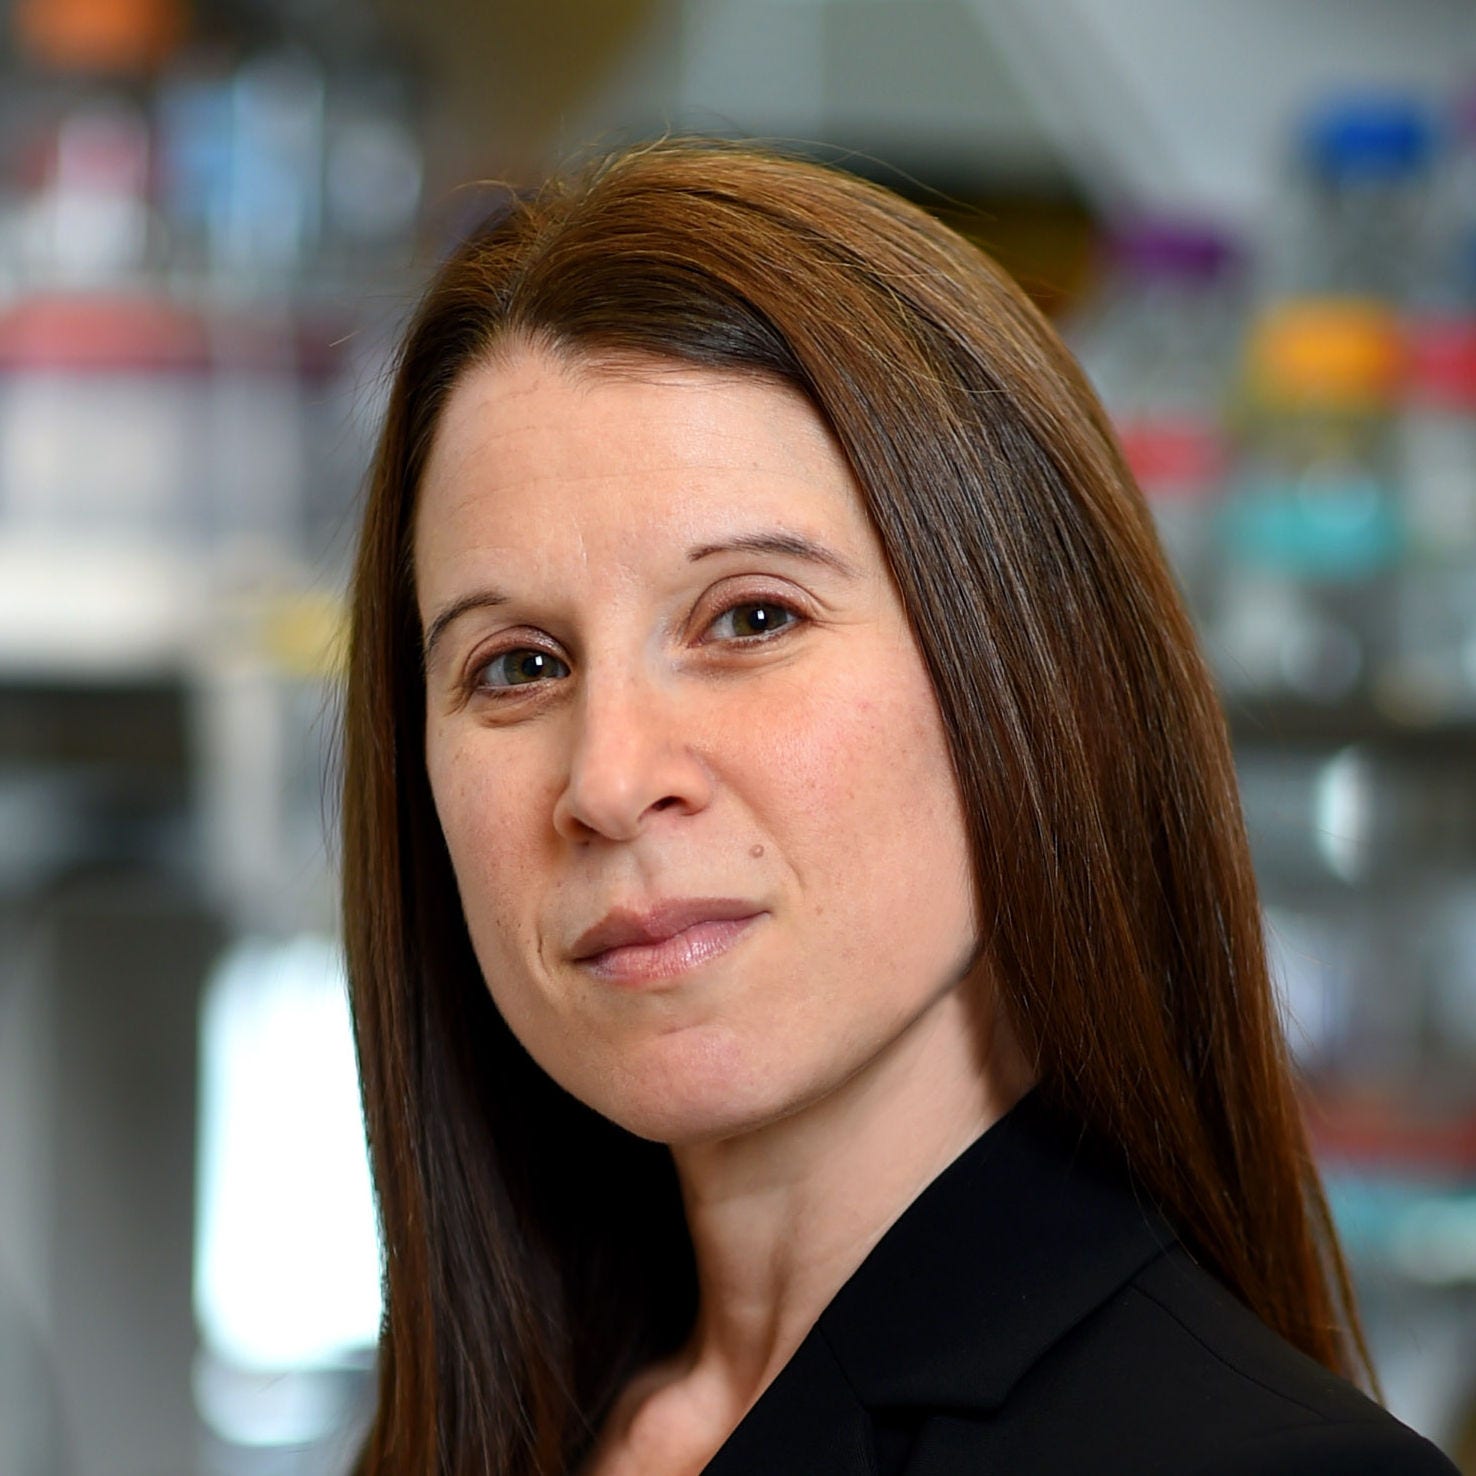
[1254, 219]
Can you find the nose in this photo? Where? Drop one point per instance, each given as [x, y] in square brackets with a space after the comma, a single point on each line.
[631, 758]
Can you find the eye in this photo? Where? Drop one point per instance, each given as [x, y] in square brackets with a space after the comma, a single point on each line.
[754, 620]
[520, 667]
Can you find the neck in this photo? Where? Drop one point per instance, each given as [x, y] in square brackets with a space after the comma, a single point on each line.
[780, 1216]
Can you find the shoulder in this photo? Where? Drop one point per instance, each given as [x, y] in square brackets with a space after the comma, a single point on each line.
[1282, 1411]
[1173, 1374]
[1356, 1448]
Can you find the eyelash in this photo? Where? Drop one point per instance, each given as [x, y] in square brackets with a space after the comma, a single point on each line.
[797, 618]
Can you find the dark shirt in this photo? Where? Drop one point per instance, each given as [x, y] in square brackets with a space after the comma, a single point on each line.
[1028, 1314]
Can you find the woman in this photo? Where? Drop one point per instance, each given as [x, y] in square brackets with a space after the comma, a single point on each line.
[810, 991]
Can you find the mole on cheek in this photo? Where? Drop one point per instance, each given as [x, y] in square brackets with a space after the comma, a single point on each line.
[755, 852]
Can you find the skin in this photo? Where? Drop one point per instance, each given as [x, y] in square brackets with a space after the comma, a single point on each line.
[677, 742]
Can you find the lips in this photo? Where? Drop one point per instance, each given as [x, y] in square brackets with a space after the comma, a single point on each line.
[626, 927]
[641, 948]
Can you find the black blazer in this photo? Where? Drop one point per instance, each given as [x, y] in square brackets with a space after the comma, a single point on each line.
[1027, 1315]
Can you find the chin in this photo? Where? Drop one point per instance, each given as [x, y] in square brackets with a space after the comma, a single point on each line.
[692, 1100]
[679, 1129]
[677, 1119]
[687, 1103]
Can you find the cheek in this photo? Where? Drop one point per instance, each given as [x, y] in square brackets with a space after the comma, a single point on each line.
[876, 830]
[487, 812]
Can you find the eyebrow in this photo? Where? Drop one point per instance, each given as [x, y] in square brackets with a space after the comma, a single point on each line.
[791, 545]
[481, 599]
[795, 545]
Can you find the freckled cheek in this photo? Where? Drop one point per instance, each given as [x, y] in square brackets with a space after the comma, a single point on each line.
[488, 809]
[864, 791]
[845, 759]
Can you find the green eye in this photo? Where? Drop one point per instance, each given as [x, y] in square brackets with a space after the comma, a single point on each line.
[755, 619]
[520, 668]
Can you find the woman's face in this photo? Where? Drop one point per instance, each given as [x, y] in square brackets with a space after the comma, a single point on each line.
[684, 751]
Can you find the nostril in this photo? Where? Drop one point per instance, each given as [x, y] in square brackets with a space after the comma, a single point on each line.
[666, 803]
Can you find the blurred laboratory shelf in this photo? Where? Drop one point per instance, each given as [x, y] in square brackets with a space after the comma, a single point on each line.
[1291, 725]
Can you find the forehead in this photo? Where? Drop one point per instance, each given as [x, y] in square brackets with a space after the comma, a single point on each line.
[618, 457]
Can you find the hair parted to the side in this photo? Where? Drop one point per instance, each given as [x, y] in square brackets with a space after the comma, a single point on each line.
[536, 1255]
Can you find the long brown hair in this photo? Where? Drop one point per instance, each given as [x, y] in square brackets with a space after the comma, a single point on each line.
[536, 1255]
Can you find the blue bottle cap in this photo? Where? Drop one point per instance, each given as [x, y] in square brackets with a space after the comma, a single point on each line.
[1368, 138]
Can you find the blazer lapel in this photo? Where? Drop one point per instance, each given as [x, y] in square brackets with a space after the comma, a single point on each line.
[1022, 1236]
[1025, 1234]
[808, 1422]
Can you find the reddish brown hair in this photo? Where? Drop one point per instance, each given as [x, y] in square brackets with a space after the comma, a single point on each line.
[536, 1255]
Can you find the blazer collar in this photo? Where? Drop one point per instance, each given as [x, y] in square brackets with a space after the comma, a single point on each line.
[808, 1422]
[1015, 1242]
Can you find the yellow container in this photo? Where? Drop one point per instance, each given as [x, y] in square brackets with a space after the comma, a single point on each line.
[1325, 353]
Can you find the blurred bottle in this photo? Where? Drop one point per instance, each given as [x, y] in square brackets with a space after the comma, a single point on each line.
[374, 170]
[1449, 948]
[1321, 839]
[78, 154]
[1159, 347]
[195, 127]
[98, 36]
[1357, 203]
[91, 224]
[1310, 533]
[1432, 672]
[1446, 276]
[1365, 855]
[273, 213]
[102, 416]
[258, 429]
